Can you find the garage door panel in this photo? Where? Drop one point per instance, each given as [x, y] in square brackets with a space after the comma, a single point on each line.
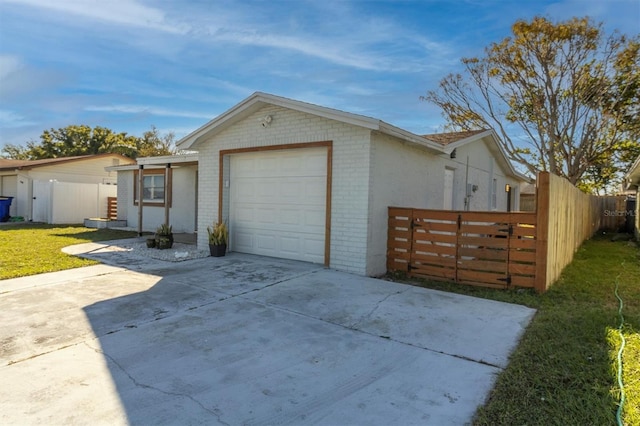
[265, 164]
[245, 214]
[243, 241]
[316, 163]
[314, 246]
[278, 203]
[314, 219]
[266, 242]
[245, 189]
[290, 245]
[315, 191]
[265, 190]
[290, 217]
[245, 165]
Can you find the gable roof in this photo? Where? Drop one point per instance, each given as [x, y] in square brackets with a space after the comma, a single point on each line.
[187, 159]
[258, 100]
[445, 139]
[11, 165]
[443, 143]
[632, 178]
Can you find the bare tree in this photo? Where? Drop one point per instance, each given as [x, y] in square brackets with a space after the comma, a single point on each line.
[559, 96]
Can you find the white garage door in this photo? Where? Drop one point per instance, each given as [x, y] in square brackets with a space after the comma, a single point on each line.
[277, 203]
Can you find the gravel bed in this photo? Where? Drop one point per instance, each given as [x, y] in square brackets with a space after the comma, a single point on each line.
[178, 253]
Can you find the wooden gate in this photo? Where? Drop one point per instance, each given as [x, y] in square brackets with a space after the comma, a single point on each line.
[492, 249]
[112, 208]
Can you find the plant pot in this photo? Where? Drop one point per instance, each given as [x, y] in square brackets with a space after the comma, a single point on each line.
[165, 238]
[151, 242]
[164, 243]
[217, 250]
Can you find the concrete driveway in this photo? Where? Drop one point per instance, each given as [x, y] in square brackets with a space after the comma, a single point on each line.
[243, 340]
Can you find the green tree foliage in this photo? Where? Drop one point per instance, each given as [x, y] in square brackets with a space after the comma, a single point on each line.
[561, 96]
[153, 144]
[77, 140]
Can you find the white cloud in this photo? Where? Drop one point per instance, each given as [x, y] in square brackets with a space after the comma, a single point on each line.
[139, 109]
[623, 15]
[10, 119]
[336, 33]
[9, 64]
[120, 12]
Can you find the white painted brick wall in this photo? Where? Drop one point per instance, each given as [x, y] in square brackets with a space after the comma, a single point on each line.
[125, 184]
[351, 161]
[181, 214]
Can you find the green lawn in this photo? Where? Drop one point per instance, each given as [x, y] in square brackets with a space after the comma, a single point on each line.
[31, 249]
[563, 372]
[564, 369]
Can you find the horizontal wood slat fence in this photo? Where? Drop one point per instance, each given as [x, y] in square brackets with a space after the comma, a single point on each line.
[498, 249]
[492, 249]
[112, 208]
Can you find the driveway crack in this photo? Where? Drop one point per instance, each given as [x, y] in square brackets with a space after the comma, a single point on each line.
[154, 388]
[374, 309]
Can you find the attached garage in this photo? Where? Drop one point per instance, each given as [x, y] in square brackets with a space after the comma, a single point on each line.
[300, 181]
[278, 203]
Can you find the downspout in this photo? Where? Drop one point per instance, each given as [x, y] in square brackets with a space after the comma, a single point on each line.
[467, 192]
[140, 190]
[166, 193]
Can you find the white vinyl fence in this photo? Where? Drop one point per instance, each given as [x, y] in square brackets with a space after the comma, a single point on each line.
[66, 202]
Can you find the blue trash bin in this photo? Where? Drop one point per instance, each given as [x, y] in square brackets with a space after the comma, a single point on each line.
[5, 204]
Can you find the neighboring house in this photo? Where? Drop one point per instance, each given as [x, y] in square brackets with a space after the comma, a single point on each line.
[528, 197]
[180, 172]
[632, 179]
[305, 182]
[35, 183]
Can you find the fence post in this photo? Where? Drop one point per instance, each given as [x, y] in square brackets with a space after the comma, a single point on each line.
[542, 231]
[458, 233]
[411, 228]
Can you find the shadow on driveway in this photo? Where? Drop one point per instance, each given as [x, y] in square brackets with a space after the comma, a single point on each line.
[252, 340]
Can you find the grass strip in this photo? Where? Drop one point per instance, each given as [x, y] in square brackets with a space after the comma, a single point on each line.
[30, 249]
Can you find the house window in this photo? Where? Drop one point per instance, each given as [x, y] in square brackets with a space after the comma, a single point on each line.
[153, 187]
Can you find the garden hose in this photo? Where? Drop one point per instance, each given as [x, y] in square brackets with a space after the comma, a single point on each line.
[620, 382]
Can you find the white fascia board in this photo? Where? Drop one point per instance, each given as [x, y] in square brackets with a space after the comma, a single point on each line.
[165, 159]
[133, 167]
[330, 113]
[192, 138]
[121, 168]
[155, 162]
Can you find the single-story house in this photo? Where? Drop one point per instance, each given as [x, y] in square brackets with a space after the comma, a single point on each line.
[632, 180]
[169, 191]
[306, 182]
[30, 182]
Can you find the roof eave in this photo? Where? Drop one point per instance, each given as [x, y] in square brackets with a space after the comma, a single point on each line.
[412, 138]
[165, 159]
[453, 145]
[503, 155]
[632, 178]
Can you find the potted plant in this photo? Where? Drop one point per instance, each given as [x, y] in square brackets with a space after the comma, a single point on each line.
[164, 237]
[218, 238]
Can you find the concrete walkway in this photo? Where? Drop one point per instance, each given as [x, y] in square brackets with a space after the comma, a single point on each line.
[243, 340]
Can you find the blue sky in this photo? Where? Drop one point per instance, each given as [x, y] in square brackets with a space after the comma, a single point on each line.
[131, 64]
